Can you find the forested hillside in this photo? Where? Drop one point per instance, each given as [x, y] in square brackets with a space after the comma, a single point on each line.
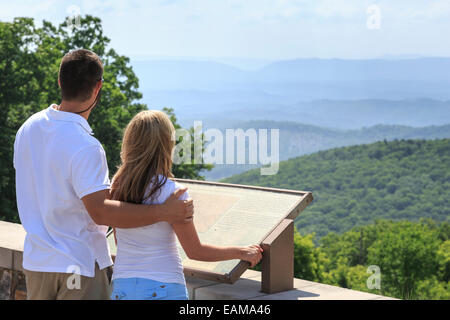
[298, 139]
[354, 186]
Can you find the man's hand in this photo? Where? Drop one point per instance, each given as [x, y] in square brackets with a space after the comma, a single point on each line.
[252, 254]
[178, 211]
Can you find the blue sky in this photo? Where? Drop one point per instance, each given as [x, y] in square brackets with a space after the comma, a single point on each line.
[258, 29]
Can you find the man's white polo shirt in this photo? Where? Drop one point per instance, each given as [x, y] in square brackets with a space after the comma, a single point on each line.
[58, 162]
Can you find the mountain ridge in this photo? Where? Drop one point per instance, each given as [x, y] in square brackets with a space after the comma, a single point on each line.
[356, 185]
[301, 139]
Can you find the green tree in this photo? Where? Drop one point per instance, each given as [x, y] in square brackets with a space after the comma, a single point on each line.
[413, 258]
[443, 256]
[17, 89]
[405, 254]
[192, 170]
[309, 262]
[29, 63]
[347, 276]
[433, 289]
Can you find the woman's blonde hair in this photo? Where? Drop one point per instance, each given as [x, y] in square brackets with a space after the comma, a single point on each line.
[146, 152]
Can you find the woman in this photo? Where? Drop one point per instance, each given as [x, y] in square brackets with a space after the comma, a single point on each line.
[148, 264]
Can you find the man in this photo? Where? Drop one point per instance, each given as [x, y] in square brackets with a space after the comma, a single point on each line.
[62, 185]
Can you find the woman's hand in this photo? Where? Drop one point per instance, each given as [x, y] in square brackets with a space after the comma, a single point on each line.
[252, 254]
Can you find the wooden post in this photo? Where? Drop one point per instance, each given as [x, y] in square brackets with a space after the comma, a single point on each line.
[278, 259]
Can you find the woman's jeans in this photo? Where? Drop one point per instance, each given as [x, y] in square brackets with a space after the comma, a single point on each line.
[146, 289]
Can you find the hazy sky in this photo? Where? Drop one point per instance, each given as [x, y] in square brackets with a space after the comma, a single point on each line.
[259, 29]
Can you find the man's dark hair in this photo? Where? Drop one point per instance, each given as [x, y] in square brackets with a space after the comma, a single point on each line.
[79, 72]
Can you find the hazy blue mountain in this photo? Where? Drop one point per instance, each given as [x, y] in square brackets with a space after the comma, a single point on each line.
[338, 102]
[352, 114]
[351, 93]
[310, 70]
[218, 109]
[304, 79]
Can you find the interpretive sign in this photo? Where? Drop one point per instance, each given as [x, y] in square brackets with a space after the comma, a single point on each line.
[237, 215]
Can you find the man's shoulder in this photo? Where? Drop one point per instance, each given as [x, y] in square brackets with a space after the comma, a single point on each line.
[77, 133]
[90, 141]
[34, 118]
[78, 138]
[88, 146]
